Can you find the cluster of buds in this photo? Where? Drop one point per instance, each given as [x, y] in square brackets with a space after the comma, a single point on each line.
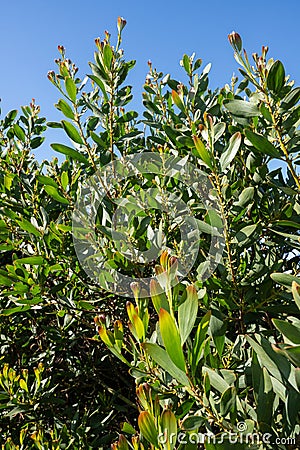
[167, 262]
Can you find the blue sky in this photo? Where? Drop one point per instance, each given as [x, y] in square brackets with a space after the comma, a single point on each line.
[158, 30]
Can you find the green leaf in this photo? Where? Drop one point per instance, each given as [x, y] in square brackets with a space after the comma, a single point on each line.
[127, 117]
[66, 109]
[64, 178]
[246, 196]
[32, 260]
[291, 99]
[10, 311]
[55, 194]
[285, 279]
[241, 108]
[147, 427]
[186, 63]
[278, 366]
[27, 226]
[296, 293]
[127, 428]
[297, 376]
[202, 151]
[177, 100]
[287, 223]
[215, 379]
[262, 144]
[290, 352]
[199, 340]
[228, 401]
[265, 398]
[161, 357]
[71, 89]
[36, 142]
[187, 313]
[244, 233]
[289, 330]
[47, 181]
[72, 132]
[19, 132]
[276, 77]
[74, 154]
[107, 55]
[192, 423]
[23, 385]
[230, 152]
[159, 299]
[218, 328]
[169, 429]
[171, 338]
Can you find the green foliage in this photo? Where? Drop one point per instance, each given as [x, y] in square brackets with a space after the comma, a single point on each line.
[217, 355]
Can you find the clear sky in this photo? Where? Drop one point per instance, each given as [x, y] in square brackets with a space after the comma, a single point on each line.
[158, 30]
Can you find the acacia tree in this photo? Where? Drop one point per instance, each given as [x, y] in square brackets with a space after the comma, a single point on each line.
[206, 353]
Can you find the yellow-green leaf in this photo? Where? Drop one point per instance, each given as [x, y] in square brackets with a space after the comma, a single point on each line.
[202, 151]
[147, 427]
[71, 89]
[171, 338]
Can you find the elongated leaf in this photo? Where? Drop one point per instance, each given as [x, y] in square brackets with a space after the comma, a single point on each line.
[244, 233]
[200, 340]
[231, 151]
[171, 338]
[65, 150]
[177, 100]
[27, 226]
[32, 260]
[10, 311]
[192, 422]
[187, 313]
[66, 109]
[147, 427]
[262, 144]
[169, 429]
[241, 108]
[265, 398]
[36, 142]
[288, 330]
[296, 293]
[202, 151]
[19, 132]
[291, 99]
[55, 194]
[72, 132]
[276, 77]
[107, 55]
[161, 357]
[277, 365]
[284, 279]
[228, 401]
[71, 89]
[159, 299]
[216, 380]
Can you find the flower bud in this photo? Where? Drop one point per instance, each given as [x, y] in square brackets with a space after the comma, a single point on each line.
[235, 41]
[135, 287]
[121, 24]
